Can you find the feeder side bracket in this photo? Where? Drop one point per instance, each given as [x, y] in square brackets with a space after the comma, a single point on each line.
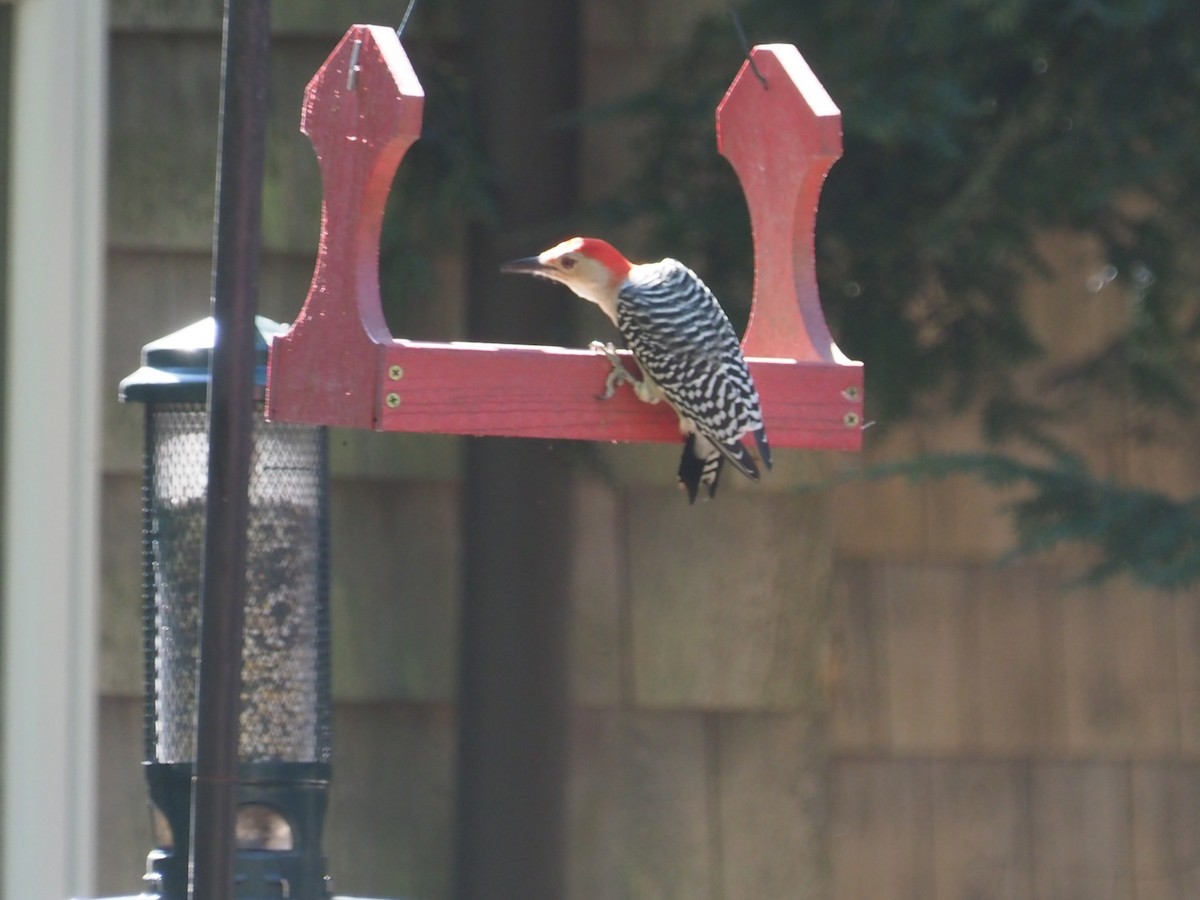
[339, 364]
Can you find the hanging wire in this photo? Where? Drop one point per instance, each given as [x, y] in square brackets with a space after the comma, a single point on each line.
[737, 24]
[404, 22]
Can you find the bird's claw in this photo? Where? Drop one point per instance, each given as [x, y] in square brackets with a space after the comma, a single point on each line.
[607, 349]
[618, 374]
[615, 378]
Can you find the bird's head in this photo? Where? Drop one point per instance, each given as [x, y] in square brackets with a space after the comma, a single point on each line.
[592, 268]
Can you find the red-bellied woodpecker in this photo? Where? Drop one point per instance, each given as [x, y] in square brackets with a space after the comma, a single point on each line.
[684, 344]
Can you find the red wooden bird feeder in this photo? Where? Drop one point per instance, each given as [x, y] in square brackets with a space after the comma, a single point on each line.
[339, 364]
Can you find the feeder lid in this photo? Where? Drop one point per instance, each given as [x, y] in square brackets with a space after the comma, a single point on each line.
[175, 367]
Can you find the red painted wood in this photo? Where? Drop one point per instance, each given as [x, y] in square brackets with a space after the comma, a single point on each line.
[362, 111]
[781, 139]
[338, 365]
[550, 392]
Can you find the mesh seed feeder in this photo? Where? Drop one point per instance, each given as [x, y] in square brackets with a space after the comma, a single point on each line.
[284, 737]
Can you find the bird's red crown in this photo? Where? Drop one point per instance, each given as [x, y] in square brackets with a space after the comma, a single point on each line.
[604, 253]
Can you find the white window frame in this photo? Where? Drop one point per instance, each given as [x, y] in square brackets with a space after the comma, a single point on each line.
[52, 392]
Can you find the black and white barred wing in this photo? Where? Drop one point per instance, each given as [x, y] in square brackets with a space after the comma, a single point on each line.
[682, 339]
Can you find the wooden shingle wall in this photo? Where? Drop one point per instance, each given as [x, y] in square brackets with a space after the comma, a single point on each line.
[394, 502]
[996, 733]
[697, 736]
[778, 696]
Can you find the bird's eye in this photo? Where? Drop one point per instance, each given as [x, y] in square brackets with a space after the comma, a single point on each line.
[568, 262]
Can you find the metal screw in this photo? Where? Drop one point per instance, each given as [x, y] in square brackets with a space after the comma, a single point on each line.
[392, 400]
[851, 393]
[353, 69]
[851, 420]
[395, 373]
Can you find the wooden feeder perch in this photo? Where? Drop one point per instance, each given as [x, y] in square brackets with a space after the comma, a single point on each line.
[339, 364]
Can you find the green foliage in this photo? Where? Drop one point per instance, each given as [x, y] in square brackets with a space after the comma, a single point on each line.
[971, 128]
[1152, 538]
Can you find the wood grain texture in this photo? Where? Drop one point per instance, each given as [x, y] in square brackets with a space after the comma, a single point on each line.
[1166, 841]
[640, 816]
[391, 808]
[339, 363]
[1021, 699]
[1082, 841]
[771, 805]
[1120, 668]
[599, 629]
[856, 667]
[881, 824]
[981, 845]
[931, 681]
[781, 168]
[1187, 620]
[398, 569]
[720, 624]
[550, 392]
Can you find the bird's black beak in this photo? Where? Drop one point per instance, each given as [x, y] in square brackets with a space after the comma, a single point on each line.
[530, 265]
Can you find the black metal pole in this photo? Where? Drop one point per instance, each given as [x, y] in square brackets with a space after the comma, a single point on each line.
[236, 240]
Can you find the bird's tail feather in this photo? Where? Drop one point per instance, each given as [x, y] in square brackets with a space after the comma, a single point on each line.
[764, 449]
[739, 455]
[700, 465]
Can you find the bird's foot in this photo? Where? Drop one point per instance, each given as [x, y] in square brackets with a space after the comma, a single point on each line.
[618, 375]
